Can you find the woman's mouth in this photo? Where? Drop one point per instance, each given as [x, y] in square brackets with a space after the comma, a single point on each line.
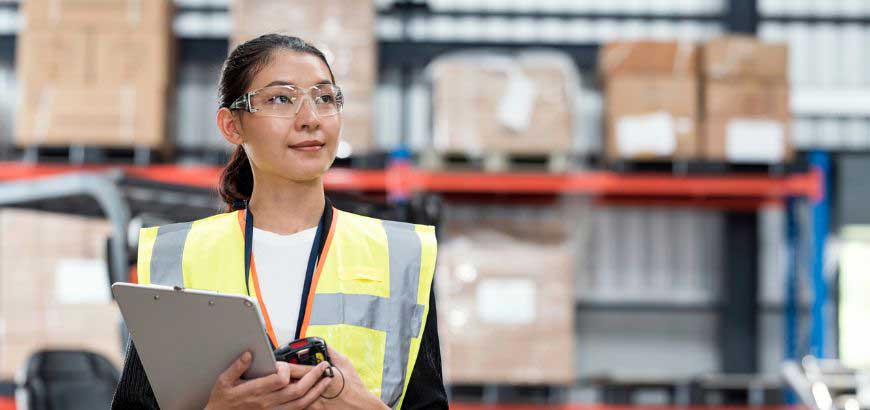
[308, 146]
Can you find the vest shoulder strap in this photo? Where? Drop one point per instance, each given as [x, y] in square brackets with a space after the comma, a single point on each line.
[162, 249]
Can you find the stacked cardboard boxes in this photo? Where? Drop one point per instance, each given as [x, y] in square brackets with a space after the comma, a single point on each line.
[54, 287]
[94, 72]
[485, 103]
[746, 101]
[343, 30]
[505, 297]
[651, 100]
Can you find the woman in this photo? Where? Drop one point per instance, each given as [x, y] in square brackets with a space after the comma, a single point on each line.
[362, 284]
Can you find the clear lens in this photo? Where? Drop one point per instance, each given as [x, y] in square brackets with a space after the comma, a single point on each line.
[286, 101]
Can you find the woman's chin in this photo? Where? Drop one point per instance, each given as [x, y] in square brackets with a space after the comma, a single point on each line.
[307, 172]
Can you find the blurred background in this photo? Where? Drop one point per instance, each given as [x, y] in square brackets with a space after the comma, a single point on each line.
[638, 202]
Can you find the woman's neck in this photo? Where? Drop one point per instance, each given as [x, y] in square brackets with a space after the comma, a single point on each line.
[285, 207]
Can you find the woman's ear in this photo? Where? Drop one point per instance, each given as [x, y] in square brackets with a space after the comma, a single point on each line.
[230, 126]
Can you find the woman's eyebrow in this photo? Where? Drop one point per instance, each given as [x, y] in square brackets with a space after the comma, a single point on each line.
[282, 82]
[279, 82]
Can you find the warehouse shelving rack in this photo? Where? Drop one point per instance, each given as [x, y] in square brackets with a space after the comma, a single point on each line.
[121, 191]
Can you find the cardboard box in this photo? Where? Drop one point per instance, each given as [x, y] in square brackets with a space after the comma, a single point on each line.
[120, 116]
[506, 322]
[747, 98]
[41, 256]
[651, 117]
[649, 57]
[13, 354]
[503, 104]
[343, 30]
[141, 59]
[86, 81]
[747, 120]
[46, 56]
[741, 57]
[748, 139]
[104, 15]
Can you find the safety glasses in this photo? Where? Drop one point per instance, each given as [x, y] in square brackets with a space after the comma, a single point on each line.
[286, 100]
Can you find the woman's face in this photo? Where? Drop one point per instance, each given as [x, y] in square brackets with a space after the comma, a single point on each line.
[301, 148]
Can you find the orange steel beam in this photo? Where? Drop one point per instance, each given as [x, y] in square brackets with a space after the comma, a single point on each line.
[408, 179]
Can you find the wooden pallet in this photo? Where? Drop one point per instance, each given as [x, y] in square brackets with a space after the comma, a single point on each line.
[85, 154]
[694, 167]
[556, 162]
[503, 393]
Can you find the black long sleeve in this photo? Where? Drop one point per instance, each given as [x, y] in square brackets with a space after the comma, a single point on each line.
[134, 390]
[425, 389]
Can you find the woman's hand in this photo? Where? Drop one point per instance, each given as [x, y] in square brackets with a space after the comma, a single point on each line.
[347, 388]
[293, 387]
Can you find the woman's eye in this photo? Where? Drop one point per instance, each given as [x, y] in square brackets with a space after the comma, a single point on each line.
[326, 99]
[280, 99]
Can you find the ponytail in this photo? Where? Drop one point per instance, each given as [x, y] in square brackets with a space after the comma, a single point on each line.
[237, 181]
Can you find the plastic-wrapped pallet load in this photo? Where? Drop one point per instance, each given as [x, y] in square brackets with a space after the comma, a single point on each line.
[94, 72]
[344, 31]
[505, 299]
[54, 288]
[651, 92]
[746, 101]
[496, 103]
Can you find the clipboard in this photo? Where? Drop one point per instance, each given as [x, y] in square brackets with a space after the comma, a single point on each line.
[186, 338]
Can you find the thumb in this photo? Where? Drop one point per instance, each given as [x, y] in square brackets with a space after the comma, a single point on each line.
[237, 369]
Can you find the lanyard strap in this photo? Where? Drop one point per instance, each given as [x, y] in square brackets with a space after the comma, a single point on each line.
[309, 271]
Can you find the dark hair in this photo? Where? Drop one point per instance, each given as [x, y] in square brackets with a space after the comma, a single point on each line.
[239, 69]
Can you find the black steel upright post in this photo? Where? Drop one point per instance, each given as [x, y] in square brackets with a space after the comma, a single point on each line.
[738, 314]
[742, 16]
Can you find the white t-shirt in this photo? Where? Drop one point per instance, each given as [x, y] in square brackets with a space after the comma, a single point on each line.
[281, 261]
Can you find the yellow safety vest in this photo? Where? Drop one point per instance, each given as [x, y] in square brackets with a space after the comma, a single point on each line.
[370, 293]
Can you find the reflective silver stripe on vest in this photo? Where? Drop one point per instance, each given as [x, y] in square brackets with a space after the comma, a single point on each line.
[399, 316]
[167, 254]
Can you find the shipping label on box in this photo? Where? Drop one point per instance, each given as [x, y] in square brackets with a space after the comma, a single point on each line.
[646, 135]
[748, 140]
[491, 297]
[754, 140]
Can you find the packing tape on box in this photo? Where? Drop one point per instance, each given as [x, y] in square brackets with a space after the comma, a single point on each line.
[735, 53]
[43, 114]
[54, 12]
[134, 11]
[127, 113]
[681, 64]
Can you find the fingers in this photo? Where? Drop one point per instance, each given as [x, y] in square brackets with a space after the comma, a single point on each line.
[308, 398]
[263, 385]
[284, 371]
[299, 389]
[236, 370]
[298, 371]
[312, 377]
